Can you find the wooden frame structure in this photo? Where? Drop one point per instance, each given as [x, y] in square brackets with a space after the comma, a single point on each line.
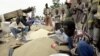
[17, 13]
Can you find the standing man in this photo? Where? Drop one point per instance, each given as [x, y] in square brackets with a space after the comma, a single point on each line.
[33, 12]
[91, 22]
[47, 13]
[85, 16]
[97, 30]
[79, 13]
[62, 15]
[57, 19]
[68, 10]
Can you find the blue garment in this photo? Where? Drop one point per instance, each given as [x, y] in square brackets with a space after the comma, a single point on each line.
[15, 31]
[30, 21]
[70, 42]
[26, 29]
[84, 49]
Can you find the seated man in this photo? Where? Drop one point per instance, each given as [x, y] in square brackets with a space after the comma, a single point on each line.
[16, 27]
[84, 49]
[24, 21]
[83, 44]
[65, 35]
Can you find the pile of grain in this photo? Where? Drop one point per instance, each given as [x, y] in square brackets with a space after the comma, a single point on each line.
[39, 46]
[37, 27]
[41, 33]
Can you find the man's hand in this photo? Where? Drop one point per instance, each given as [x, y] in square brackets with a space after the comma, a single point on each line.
[73, 51]
[20, 28]
[50, 33]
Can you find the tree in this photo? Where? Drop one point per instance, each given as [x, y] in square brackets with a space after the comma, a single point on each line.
[56, 4]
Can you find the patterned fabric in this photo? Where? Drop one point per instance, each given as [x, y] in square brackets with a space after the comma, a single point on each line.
[80, 35]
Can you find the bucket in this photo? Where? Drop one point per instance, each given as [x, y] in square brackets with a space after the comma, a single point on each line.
[59, 54]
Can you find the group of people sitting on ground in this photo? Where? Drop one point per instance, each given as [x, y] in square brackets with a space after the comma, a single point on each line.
[68, 35]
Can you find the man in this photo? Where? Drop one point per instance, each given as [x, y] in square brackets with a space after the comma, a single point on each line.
[69, 29]
[16, 27]
[68, 11]
[65, 35]
[97, 31]
[79, 13]
[79, 8]
[91, 21]
[63, 15]
[84, 49]
[85, 16]
[47, 13]
[19, 25]
[57, 19]
[25, 22]
[83, 44]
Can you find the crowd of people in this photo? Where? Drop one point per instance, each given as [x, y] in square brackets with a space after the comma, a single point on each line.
[76, 25]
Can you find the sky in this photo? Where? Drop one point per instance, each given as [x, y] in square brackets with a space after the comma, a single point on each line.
[11, 5]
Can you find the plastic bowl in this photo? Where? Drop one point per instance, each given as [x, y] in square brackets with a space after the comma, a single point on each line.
[59, 54]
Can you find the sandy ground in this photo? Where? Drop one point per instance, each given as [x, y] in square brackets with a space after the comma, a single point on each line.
[39, 47]
[36, 47]
[10, 41]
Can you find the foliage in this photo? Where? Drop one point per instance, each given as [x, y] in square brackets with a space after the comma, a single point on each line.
[55, 5]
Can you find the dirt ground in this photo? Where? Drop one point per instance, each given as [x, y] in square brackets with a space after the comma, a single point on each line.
[39, 47]
[7, 43]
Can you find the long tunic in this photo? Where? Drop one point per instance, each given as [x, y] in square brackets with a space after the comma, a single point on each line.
[79, 12]
[47, 13]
